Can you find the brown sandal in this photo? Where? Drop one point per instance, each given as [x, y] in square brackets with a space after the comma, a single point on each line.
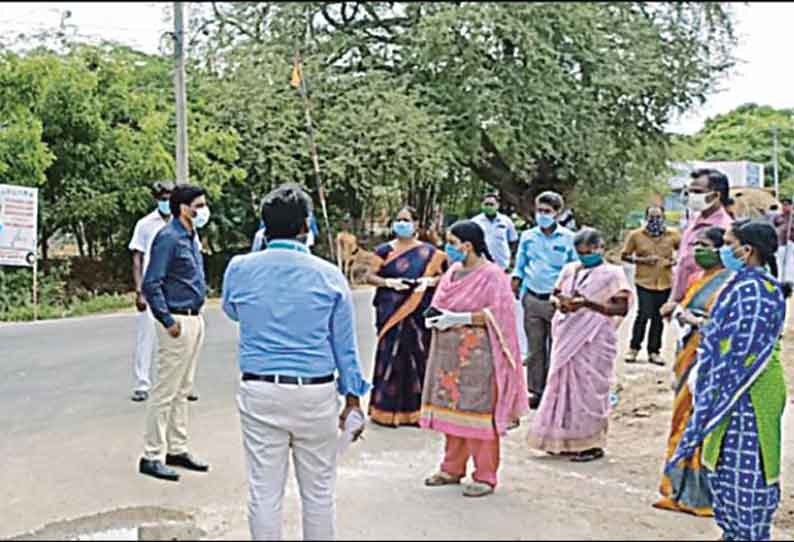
[442, 479]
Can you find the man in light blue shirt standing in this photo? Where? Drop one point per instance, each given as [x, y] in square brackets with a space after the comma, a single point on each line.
[296, 331]
[542, 253]
[500, 233]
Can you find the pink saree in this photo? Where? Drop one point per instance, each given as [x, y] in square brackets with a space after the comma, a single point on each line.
[574, 412]
[475, 385]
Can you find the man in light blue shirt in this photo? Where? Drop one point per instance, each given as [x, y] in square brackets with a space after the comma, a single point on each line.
[296, 330]
[542, 253]
[500, 233]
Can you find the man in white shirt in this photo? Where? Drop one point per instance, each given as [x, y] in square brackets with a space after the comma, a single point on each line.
[500, 233]
[146, 337]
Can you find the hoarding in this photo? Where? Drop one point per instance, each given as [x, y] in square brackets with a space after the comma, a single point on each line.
[18, 225]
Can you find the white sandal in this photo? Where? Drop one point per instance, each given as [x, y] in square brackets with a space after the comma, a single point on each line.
[477, 489]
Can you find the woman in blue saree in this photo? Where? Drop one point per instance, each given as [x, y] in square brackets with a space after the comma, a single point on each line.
[406, 272]
[738, 389]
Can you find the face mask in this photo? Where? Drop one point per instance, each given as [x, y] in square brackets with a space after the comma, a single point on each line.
[164, 207]
[544, 220]
[591, 260]
[454, 254]
[697, 203]
[403, 229]
[706, 258]
[489, 210]
[202, 217]
[729, 259]
[655, 226]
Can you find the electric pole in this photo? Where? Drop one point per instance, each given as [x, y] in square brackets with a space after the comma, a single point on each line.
[179, 84]
[777, 180]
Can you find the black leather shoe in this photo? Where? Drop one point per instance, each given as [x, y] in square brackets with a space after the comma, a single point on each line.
[186, 461]
[534, 401]
[140, 395]
[192, 397]
[157, 470]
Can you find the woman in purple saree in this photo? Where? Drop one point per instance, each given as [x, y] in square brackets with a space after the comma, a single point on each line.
[405, 272]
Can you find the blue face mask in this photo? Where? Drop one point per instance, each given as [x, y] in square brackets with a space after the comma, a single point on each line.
[403, 229]
[454, 254]
[544, 220]
[591, 260]
[164, 207]
[729, 259]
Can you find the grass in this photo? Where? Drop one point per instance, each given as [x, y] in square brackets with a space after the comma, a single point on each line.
[98, 304]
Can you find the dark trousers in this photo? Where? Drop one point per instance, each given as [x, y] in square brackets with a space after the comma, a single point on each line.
[650, 301]
[537, 324]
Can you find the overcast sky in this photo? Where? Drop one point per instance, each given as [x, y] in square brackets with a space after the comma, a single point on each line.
[765, 33]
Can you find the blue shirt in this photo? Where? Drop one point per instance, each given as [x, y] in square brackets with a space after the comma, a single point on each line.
[296, 315]
[541, 257]
[499, 233]
[175, 276]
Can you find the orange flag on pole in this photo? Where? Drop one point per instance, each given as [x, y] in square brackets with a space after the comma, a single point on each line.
[296, 73]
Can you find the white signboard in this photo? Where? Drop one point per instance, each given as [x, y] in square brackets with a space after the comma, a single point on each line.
[19, 206]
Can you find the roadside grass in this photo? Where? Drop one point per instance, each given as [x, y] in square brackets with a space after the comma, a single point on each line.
[95, 304]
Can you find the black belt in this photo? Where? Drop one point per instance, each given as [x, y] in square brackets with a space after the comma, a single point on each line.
[186, 312]
[283, 379]
[542, 297]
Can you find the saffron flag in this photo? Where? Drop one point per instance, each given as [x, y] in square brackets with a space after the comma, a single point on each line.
[296, 73]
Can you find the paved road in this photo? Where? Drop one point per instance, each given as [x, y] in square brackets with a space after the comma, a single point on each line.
[71, 439]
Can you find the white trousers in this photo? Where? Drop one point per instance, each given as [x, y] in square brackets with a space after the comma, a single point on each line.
[275, 417]
[522, 334]
[788, 264]
[145, 350]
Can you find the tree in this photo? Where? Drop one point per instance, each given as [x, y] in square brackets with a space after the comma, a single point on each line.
[746, 133]
[104, 114]
[533, 95]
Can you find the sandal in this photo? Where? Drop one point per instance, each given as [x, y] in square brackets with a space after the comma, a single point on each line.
[588, 455]
[477, 489]
[442, 479]
[656, 359]
[631, 357]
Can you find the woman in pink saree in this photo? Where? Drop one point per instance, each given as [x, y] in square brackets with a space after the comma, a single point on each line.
[475, 388]
[591, 298]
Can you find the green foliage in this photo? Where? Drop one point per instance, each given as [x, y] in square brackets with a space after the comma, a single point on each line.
[746, 133]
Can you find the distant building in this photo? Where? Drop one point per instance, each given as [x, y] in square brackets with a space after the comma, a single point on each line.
[741, 174]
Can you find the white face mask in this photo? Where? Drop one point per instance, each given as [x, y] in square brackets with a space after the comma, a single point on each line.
[697, 202]
[202, 217]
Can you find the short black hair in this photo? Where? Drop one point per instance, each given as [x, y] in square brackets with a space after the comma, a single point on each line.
[717, 182]
[491, 195]
[787, 199]
[285, 210]
[184, 193]
[162, 187]
[552, 199]
[715, 234]
[649, 207]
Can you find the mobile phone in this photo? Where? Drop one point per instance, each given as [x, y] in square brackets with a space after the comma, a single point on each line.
[432, 312]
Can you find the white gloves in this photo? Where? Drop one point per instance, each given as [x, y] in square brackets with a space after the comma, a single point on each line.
[424, 283]
[448, 319]
[396, 284]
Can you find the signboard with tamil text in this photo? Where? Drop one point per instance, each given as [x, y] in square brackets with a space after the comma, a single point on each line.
[18, 222]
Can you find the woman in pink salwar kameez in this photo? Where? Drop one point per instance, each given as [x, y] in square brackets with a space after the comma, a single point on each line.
[591, 298]
[475, 388]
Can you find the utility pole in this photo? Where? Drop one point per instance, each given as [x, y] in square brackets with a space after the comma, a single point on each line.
[181, 102]
[777, 180]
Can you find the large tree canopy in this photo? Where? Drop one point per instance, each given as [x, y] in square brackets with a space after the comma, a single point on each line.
[525, 96]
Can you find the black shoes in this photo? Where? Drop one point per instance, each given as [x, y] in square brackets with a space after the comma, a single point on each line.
[186, 461]
[140, 395]
[534, 401]
[156, 469]
[192, 397]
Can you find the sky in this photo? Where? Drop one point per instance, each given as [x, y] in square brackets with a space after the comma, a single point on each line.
[762, 76]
